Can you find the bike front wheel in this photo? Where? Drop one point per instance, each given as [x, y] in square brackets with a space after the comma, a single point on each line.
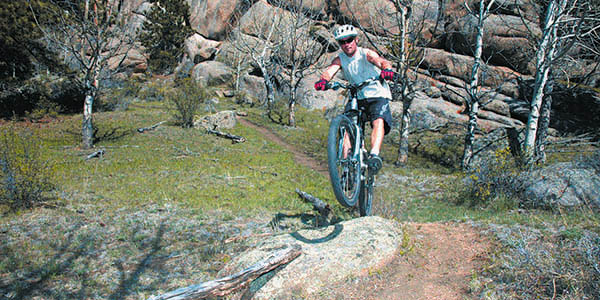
[365, 199]
[344, 164]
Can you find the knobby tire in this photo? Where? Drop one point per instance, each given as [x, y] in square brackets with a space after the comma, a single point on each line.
[345, 187]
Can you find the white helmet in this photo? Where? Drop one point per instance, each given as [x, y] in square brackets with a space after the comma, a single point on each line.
[344, 31]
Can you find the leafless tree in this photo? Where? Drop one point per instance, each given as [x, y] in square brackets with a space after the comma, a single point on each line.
[257, 37]
[299, 51]
[473, 87]
[567, 25]
[93, 36]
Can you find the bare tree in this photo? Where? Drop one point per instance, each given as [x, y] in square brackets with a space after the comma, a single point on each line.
[405, 85]
[257, 38]
[94, 39]
[400, 37]
[473, 87]
[299, 51]
[566, 23]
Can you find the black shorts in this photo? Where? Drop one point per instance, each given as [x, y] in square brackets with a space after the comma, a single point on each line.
[376, 108]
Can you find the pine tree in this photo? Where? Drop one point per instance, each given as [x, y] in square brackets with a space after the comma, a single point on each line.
[20, 45]
[164, 32]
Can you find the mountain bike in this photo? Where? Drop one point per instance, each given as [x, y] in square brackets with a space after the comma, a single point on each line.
[350, 176]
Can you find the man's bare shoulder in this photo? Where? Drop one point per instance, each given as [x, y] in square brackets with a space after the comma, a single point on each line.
[336, 61]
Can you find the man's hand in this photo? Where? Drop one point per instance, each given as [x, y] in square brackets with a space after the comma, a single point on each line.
[320, 85]
[387, 74]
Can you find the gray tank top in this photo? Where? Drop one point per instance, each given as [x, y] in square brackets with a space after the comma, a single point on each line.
[358, 69]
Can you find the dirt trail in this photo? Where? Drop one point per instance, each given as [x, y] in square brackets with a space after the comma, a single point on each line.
[438, 266]
[300, 157]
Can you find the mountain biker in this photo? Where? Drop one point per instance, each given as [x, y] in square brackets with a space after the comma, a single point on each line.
[359, 64]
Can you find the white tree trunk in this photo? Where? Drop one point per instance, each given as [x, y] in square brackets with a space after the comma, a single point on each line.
[473, 88]
[544, 57]
[87, 128]
[406, 100]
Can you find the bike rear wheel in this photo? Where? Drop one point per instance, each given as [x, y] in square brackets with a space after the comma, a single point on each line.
[344, 168]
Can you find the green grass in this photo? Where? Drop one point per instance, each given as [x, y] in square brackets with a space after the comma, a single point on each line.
[175, 165]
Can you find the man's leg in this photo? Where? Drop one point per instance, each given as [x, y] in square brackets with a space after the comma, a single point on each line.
[346, 146]
[377, 135]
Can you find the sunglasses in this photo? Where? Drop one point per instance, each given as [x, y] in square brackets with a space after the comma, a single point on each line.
[346, 41]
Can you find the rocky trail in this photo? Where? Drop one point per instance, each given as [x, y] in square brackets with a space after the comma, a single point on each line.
[438, 263]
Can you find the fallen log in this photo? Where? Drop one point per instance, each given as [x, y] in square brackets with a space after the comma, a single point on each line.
[323, 208]
[99, 153]
[144, 129]
[234, 138]
[223, 286]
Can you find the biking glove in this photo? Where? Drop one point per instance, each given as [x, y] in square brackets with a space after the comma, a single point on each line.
[320, 85]
[387, 74]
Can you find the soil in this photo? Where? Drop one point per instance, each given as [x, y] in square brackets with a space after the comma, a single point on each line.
[439, 264]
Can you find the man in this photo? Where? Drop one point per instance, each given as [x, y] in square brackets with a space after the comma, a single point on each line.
[359, 64]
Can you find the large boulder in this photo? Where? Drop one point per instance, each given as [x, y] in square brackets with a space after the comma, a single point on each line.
[506, 40]
[299, 44]
[436, 111]
[254, 86]
[134, 62]
[222, 120]
[199, 49]
[214, 19]
[310, 98]
[575, 109]
[374, 15]
[438, 61]
[210, 73]
[328, 256]
[562, 184]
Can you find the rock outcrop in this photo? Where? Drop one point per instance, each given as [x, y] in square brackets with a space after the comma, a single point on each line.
[329, 255]
[447, 36]
[563, 184]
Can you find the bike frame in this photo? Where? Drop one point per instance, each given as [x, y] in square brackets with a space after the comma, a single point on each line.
[356, 115]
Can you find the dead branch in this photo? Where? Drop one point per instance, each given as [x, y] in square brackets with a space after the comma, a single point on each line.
[234, 138]
[229, 284]
[144, 129]
[99, 153]
[323, 208]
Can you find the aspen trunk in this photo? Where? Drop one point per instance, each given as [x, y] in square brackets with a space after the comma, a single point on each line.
[544, 56]
[473, 89]
[402, 158]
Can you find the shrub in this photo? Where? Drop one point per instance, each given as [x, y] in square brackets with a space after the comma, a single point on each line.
[24, 175]
[186, 100]
[560, 266]
[495, 182]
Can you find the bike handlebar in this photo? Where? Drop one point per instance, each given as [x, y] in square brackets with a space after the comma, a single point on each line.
[334, 85]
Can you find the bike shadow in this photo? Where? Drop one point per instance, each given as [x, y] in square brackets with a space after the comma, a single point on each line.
[311, 221]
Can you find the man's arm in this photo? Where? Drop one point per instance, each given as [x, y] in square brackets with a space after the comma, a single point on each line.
[377, 60]
[330, 71]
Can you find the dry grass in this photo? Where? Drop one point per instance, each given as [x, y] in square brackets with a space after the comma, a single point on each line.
[91, 252]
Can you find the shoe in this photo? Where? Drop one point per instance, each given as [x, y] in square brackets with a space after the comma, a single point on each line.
[375, 163]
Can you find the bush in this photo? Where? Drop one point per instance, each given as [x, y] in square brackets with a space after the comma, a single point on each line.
[533, 266]
[496, 182]
[24, 175]
[186, 100]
